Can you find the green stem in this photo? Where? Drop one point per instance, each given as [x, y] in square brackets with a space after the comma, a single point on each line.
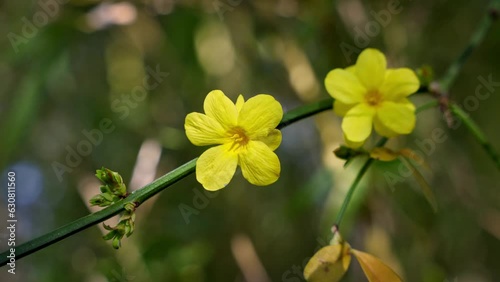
[350, 192]
[305, 111]
[477, 132]
[366, 166]
[476, 39]
[426, 106]
[143, 194]
[355, 183]
[139, 196]
[174, 176]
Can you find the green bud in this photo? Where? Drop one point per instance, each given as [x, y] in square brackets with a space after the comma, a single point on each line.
[129, 207]
[346, 153]
[103, 175]
[100, 200]
[129, 228]
[425, 75]
[116, 243]
[110, 235]
[105, 189]
[113, 182]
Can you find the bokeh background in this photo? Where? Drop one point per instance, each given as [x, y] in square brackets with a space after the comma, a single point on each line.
[68, 66]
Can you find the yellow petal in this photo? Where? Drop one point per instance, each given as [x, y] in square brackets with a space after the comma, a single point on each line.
[357, 123]
[399, 83]
[239, 103]
[216, 166]
[203, 130]
[340, 108]
[374, 269]
[351, 144]
[407, 103]
[397, 117]
[221, 108]
[344, 86]
[329, 264]
[351, 69]
[259, 165]
[382, 130]
[385, 131]
[260, 115]
[273, 140]
[370, 68]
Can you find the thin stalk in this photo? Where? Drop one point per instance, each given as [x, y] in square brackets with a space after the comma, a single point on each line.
[476, 39]
[354, 184]
[476, 132]
[366, 166]
[306, 111]
[143, 194]
[426, 106]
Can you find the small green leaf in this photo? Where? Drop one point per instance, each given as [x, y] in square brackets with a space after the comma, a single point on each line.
[346, 153]
[426, 189]
[110, 235]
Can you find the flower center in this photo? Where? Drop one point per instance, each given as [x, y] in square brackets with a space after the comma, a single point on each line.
[373, 98]
[239, 137]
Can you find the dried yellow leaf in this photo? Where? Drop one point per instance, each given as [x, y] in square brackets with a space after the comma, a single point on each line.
[329, 264]
[374, 269]
[383, 154]
[412, 155]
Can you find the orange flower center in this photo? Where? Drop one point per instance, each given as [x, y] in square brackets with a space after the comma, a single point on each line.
[239, 137]
[373, 98]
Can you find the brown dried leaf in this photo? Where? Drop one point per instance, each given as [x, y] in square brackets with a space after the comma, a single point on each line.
[374, 269]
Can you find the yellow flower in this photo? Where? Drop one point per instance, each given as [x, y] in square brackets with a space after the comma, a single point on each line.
[246, 134]
[369, 94]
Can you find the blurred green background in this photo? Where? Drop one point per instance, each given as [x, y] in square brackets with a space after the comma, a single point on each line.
[68, 67]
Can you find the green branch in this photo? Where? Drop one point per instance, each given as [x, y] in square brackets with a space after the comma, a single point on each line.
[139, 196]
[454, 69]
[476, 39]
[366, 166]
[355, 184]
[477, 132]
[143, 194]
[445, 83]
[351, 190]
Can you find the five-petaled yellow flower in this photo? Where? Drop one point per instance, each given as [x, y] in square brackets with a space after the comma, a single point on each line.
[370, 95]
[246, 135]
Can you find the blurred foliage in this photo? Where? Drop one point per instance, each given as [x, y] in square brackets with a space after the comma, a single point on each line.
[85, 65]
